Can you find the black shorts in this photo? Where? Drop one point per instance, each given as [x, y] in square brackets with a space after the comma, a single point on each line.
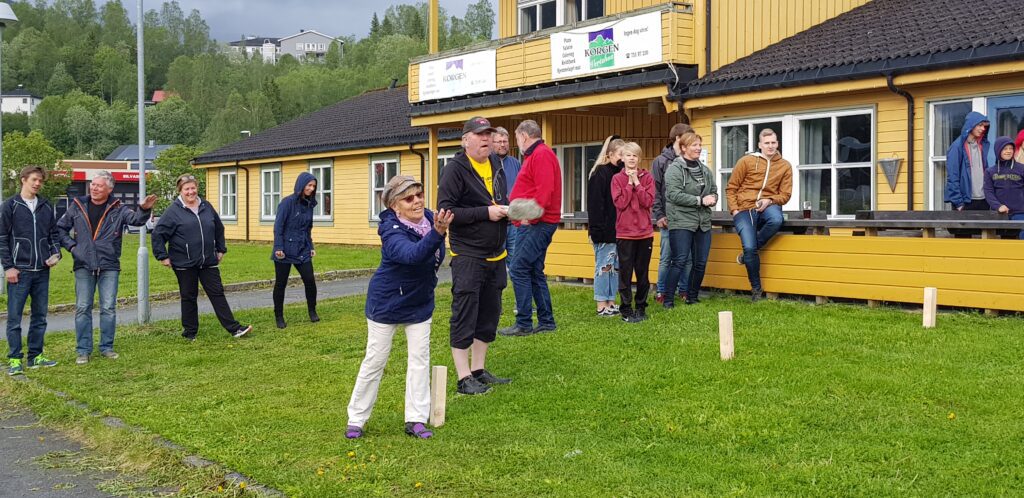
[476, 300]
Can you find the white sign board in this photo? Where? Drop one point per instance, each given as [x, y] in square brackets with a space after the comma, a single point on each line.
[460, 75]
[629, 42]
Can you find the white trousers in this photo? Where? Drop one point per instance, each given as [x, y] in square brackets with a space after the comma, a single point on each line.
[417, 374]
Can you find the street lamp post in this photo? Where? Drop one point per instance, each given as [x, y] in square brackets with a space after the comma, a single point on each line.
[6, 17]
[143, 255]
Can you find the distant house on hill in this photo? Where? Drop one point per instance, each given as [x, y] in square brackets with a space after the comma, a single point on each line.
[19, 100]
[304, 45]
[266, 48]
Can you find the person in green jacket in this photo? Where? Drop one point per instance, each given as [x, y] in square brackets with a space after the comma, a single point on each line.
[690, 194]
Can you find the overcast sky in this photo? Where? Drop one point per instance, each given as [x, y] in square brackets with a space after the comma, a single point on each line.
[229, 19]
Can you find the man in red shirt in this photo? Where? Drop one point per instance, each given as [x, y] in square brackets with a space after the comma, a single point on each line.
[540, 180]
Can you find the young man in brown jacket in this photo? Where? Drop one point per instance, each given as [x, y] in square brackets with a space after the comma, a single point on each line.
[761, 183]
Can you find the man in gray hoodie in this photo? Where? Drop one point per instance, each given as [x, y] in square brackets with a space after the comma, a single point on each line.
[658, 167]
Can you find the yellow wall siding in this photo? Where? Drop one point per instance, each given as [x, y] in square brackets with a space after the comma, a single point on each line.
[742, 27]
[414, 80]
[969, 273]
[508, 18]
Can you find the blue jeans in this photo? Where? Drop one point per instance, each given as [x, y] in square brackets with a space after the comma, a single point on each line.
[690, 249]
[528, 279]
[35, 285]
[665, 261]
[1018, 217]
[86, 283]
[510, 244]
[755, 230]
[606, 271]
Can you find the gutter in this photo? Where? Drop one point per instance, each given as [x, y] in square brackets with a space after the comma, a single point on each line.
[707, 36]
[423, 164]
[910, 137]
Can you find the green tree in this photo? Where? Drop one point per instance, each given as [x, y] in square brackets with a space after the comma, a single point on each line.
[374, 25]
[16, 121]
[170, 164]
[29, 59]
[22, 150]
[479, 20]
[227, 123]
[333, 57]
[60, 81]
[115, 74]
[115, 125]
[173, 122]
[117, 30]
[81, 125]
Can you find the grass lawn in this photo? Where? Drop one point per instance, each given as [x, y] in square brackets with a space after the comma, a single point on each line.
[244, 262]
[827, 400]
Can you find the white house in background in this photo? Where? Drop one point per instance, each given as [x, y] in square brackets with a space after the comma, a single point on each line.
[257, 46]
[308, 44]
[19, 100]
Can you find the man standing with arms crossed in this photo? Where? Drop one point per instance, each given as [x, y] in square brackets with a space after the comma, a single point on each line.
[28, 249]
[473, 188]
[761, 183]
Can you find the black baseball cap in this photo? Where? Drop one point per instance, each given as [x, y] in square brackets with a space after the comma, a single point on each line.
[477, 124]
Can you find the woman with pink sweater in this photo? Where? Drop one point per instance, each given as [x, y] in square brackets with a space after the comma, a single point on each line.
[633, 196]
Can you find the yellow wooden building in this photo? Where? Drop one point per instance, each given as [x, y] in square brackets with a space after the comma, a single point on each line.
[845, 83]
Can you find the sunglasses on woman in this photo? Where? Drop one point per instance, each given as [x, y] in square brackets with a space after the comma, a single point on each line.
[412, 198]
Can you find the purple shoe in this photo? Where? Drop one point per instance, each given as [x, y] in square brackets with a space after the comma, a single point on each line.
[418, 430]
[353, 432]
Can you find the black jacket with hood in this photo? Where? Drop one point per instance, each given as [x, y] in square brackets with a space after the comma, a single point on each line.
[99, 249]
[462, 191]
[293, 227]
[658, 168]
[27, 238]
[600, 207]
[191, 240]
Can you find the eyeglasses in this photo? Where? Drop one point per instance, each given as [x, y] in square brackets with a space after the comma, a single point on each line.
[412, 198]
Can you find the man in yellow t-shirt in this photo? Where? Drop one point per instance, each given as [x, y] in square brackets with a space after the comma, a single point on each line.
[473, 188]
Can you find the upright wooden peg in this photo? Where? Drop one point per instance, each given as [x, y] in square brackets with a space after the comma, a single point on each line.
[725, 341]
[438, 394]
[931, 300]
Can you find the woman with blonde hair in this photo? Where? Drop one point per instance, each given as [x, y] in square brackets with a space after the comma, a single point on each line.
[633, 195]
[601, 225]
[189, 238]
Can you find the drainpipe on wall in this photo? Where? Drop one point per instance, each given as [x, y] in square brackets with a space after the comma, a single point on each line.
[247, 192]
[707, 36]
[910, 137]
[423, 166]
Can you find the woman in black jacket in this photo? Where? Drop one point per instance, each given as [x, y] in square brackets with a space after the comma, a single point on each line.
[293, 245]
[601, 225]
[189, 238]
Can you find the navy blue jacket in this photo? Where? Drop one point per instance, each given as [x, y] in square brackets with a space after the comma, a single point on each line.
[293, 227]
[402, 288]
[958, 162]
[98, 249]
[27, 238]
[191, 240]
[1004, 182]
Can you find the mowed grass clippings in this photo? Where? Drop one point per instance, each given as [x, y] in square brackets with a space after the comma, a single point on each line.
[822, 400]
[244, 262]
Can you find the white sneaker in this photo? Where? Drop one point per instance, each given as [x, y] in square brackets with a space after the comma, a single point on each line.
[82, 359]
[242, 331]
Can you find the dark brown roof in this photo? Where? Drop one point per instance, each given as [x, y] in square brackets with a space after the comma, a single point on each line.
[879, 38]
[378, 118]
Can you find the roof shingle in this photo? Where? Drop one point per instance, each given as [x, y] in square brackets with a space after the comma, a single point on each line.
[378, 118]
[880, 37]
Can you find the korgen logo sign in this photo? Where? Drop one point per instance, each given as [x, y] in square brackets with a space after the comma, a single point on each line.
[601, 49]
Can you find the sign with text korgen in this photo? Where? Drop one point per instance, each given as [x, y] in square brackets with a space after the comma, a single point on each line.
[460, 75]
[624, 43]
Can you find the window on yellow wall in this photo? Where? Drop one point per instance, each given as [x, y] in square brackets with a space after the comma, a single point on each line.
[323, 170]
[229, 194]
[947, 119]
[576, 161]
[382, 169]
[443, 156]
[270, 191]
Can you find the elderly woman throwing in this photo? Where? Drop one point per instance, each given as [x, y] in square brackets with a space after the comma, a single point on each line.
[401, 292]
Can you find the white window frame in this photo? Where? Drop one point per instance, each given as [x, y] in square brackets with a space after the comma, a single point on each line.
[978, 104]
[790, 146]
[316, 168]
[560, 153]
[298, 46]
[376, 192]
[559, 13]
[265, 192]
[228, 200]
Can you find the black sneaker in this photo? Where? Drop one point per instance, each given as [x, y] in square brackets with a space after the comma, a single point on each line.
[631, 318]
[471, 386]
[544, 328]
[488, 378]
[668, 305]
[313, 317]
[516, 331]
[281, 323]
[641, 315]
[756, 295]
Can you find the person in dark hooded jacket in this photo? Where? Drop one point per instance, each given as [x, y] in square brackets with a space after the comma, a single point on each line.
[189, 238]
[601, 225]
[966, 162]
[401, 292]
[1004, 182]
[293, 245]
[658, 168]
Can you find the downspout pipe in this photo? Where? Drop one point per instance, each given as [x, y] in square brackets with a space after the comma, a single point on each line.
[910, 137]
[247, 192]
[423, 166]
[707, 36]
